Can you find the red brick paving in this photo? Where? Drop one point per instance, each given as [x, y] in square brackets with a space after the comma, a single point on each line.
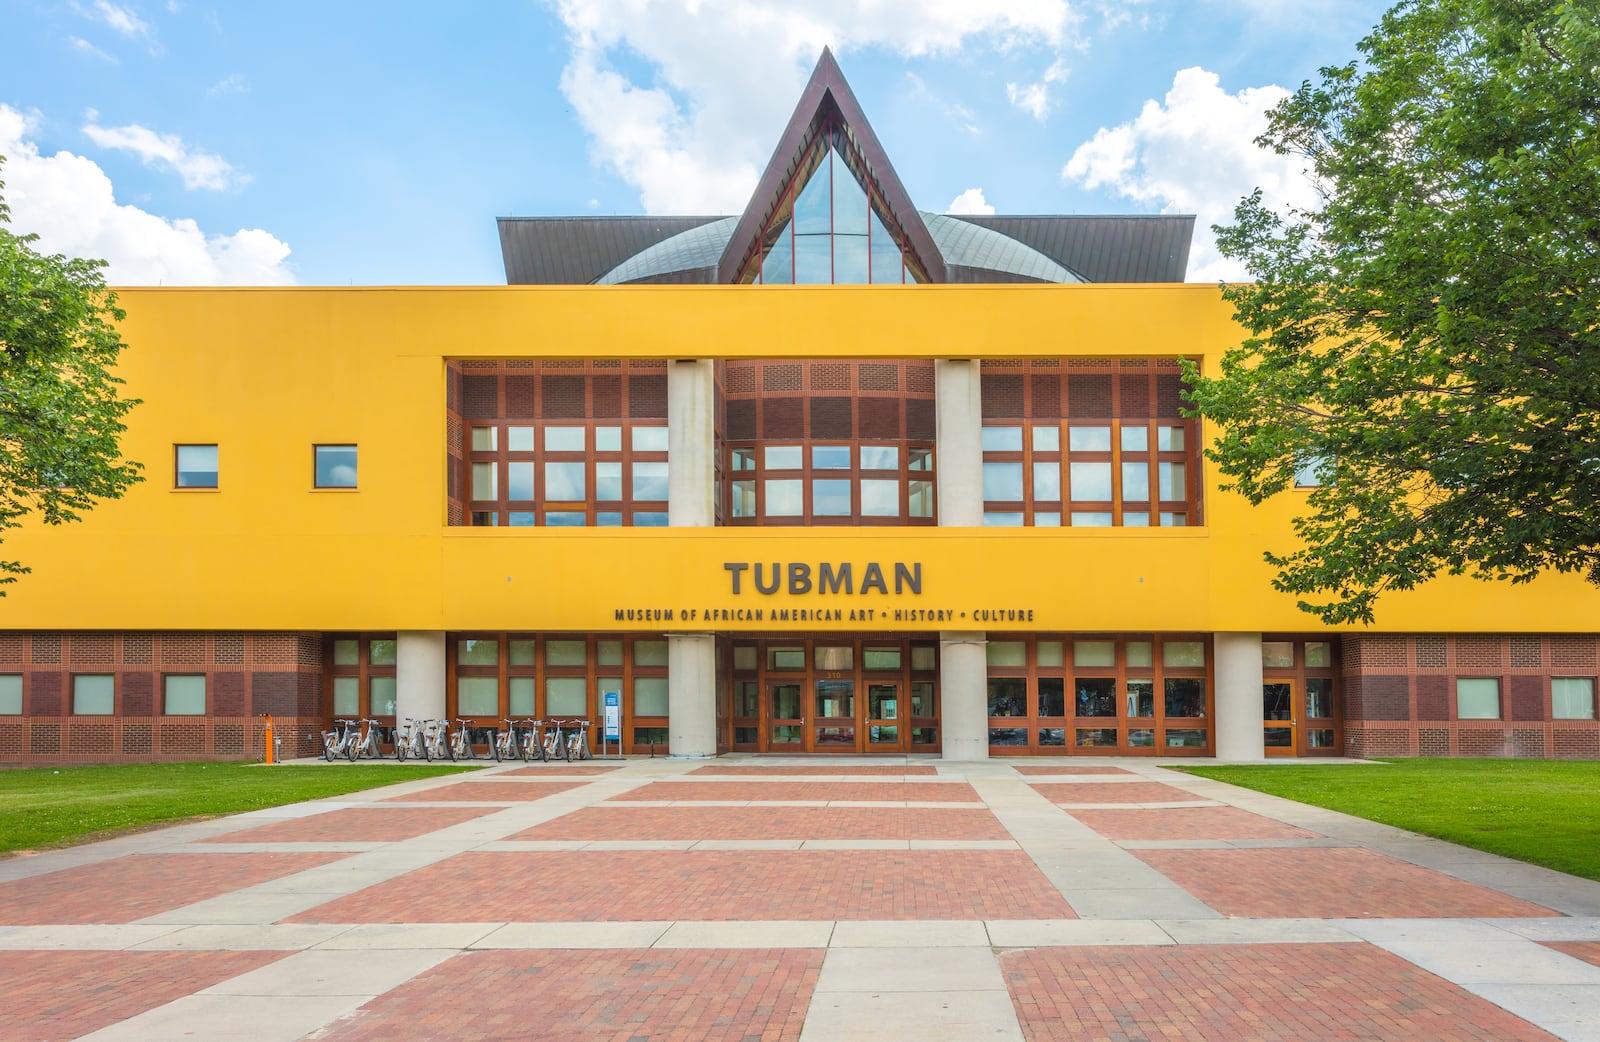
[1588, 951]
[54, 995]
[714, 995]
[635, 885]
[1245, 993]
[487, 792]
[128, 888]
[842, 770]
[681, 822]
[1113, 792]
[858, 792]
[1187, 823]
[357, 825]
[1066, 768]
[1328, 883]
[547, 769]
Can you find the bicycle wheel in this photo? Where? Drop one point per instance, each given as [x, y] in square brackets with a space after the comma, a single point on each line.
[449, 748]
[494, 747]
[401, 740]
[327, 746]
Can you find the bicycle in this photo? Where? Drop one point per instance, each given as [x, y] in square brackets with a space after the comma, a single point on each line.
[461, 746]
[411, 741]
[534, 746]
[366, 746]
[554, 746]
[438, 741]
[578, 740]
[340, 741]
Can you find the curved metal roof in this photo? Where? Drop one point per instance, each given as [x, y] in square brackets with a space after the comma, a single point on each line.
[973, 246]
[696, 248]
[961, 243]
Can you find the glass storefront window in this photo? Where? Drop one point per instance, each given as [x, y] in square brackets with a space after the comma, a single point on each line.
[1097, 737]
[649, 439]
[833, 656]
[1052, 736]
[786, 659]
[608, 652]
[921, 698]
[649, 653]
[1002, 481]
[1135, 483]
[1571, 698]
[785, 497]
[745, 657]
[565, 653]
[1048, 652]
[1186, 738]
[1008, 696]
[919, 496]
[608, 439]
[1091, 481]
[649, 696]
[1185, 697]
[830, 457]
[1052, 696]
[1135, 439]
[519, 696]
[566, 696]
[1089, 439]
[347, 653]
[519, 652]
[1183, 653]
[1002, 439]
[1141, 697]
[1008, 736]
[781, 457]
[1047, 481]
[880, 498]
[346, 697]
[830, 498]
[1138, 653]
[744, 499]
[1047, 439]
[381, 652]
[880, 658]
[1097, 696]
[1319, 698]
[835, 698]
[880, 457]
[746, 696]
[1319, 654]
[607, 481]
[384, 696]
[564, 439]
[649, 480]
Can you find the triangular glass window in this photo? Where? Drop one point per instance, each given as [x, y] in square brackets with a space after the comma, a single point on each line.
[829, 229]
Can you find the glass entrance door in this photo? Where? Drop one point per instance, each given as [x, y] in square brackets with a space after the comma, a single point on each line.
[834, 725]
[1278, 718]
[884, 724]
[786, 730]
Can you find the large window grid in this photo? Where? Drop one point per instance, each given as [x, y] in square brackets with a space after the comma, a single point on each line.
[823, 483]
[574, 474]
[1098, 695]
[1087, 474]
[495, 676]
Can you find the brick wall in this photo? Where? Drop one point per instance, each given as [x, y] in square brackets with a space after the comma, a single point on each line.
[247, 674]
[1400, 695]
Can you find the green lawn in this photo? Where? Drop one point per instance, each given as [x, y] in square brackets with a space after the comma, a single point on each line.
[49, 807]
[1546, 812]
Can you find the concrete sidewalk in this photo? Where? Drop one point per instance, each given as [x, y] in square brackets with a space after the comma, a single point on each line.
[788, 898]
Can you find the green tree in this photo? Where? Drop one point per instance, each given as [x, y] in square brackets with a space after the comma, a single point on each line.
[1426, 334]
[60, 414]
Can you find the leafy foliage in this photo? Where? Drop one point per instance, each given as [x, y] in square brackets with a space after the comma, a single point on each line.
[1427, 332]
[60, 414]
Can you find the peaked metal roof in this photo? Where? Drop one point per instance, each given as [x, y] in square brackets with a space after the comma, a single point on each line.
[827, 100]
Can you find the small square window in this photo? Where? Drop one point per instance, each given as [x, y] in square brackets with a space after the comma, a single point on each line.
[10, 694]
[94, 694]
[196, 466]
[335, 466]
[1477, 698]
[183, 695]
[1571, 698]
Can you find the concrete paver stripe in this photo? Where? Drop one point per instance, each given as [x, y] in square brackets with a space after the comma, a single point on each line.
[628, 885]
[1112, 792]
[1588, 951]
[1030, 769]
[855, 770]
[1225, 993]
[700, 994]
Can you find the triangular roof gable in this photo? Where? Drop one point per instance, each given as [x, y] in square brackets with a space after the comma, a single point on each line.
[826, 100]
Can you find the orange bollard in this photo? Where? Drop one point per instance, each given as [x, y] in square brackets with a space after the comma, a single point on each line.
[271, 752]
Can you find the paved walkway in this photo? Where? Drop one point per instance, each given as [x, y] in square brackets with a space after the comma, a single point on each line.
[806, 900]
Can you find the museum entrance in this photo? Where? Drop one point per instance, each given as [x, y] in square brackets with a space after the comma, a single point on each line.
[835, 695]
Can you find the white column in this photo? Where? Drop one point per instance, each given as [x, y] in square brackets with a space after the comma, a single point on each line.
[959, 451]
[1238, 696]
[691, 470]
[691, 694]
[963, 695]
[419, 671]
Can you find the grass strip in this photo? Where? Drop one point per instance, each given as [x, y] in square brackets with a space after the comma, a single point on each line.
[52, 807]
[1544, 812]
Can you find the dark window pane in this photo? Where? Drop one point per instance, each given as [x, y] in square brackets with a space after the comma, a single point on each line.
[1185, 697]
[1008, 696]
[1052, 696]
[1097, 696]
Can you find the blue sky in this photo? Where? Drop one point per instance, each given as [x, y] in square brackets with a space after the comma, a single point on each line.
[354, 142]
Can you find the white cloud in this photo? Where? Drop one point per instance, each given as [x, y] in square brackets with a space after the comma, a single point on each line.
[727, 73]
[1034, 98]
[119, 18]
[1195, 152]
[68, 200]
[234, 84]
[970, 202]
[83, 46]
[167, 151]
